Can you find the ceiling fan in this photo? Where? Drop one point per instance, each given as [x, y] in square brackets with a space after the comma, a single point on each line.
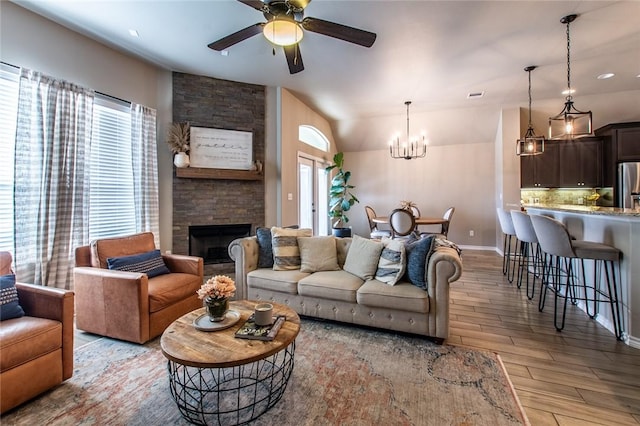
[285, 27]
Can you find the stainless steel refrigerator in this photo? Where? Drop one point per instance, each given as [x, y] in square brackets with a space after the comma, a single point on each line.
[629, 185]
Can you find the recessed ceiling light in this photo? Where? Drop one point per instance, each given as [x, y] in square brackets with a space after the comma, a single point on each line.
[475, 95]
[567, 91]
[134, 33]
[605, 76]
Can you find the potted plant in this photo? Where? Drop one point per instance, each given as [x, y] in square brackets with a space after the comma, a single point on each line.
[178, 140]
[340, 197]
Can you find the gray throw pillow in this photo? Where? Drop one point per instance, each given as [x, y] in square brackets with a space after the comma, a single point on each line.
[362, 258]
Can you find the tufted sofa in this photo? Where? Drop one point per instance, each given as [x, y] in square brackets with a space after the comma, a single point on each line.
[338, 295]
[36, 350]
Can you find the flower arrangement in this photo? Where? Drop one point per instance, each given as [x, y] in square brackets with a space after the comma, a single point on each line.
[407, 205]
[217, 287]
[178, 137]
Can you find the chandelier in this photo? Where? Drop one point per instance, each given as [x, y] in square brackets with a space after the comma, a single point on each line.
[571, 122]
[530, 144]
[411, 148]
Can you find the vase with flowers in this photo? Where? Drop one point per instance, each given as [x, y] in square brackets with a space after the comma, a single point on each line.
[178, 141]
[215, 294]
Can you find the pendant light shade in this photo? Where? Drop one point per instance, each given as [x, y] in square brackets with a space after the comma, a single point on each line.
[530, 144]
[571, 123]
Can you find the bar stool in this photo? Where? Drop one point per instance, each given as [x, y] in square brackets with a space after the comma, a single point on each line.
[530, 253]
[509, 258]
[560, 253]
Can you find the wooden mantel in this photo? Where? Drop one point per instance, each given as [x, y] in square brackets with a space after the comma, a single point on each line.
[202, 173]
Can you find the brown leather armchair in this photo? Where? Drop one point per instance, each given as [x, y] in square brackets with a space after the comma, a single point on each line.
[130, 305]
[36, 350]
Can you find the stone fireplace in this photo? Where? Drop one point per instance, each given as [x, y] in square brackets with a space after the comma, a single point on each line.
[202, 201]
[210, 242]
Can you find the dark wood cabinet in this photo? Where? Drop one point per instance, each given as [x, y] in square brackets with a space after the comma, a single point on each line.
[541, 171]
[620, 142]
[580, 163]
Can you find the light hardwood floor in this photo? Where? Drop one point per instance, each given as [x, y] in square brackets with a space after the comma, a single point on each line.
[580, 376]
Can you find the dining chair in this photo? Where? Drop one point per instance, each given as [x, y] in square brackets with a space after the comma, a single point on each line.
[444, 228]
[374, 230]
[402, 223]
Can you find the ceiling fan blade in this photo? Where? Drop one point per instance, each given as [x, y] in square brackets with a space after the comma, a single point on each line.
[294, 59]
[256, 4]
[339, 31]
[237, 37]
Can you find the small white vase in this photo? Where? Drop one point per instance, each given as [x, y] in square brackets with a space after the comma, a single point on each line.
[181, 159]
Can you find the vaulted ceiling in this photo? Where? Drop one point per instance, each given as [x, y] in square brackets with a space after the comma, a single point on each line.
[433, 53]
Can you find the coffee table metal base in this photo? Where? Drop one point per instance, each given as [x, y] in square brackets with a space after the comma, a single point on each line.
[234, 395]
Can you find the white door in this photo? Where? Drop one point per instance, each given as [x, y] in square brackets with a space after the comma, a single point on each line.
[313, 192]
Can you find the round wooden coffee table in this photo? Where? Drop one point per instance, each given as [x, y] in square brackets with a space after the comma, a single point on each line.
[216, 378]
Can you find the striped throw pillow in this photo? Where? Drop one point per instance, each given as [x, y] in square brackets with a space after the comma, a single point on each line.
[286, 253]
[150, 263]
[392, 263]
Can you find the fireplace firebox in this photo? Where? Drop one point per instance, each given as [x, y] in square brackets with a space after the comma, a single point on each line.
[210, 242]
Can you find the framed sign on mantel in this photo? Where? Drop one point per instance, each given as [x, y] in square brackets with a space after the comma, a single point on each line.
[221, 149]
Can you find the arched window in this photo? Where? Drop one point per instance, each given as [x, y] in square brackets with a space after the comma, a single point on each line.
[314, 137]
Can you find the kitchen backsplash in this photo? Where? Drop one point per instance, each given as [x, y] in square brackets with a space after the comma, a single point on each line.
[567, 196]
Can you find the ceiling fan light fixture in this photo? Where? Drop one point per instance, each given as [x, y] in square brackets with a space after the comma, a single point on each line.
[571, 123]
[283, 31]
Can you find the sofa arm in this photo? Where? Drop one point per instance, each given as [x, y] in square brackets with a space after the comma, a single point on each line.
[54, 304]
[445, 267]
[112, 303]
[184, 264]
[244, 251]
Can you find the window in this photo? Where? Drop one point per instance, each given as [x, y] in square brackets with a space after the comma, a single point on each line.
[111, 199]
[313, 137]
[9, 81]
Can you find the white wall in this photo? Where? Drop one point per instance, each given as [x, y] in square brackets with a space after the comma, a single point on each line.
[30, 41]
[459, 175]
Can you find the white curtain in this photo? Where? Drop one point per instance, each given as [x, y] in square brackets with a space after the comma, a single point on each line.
[145, 169]
[53, 139]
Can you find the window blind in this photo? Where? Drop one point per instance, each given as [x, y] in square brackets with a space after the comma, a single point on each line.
[111, 207]
[9, 84]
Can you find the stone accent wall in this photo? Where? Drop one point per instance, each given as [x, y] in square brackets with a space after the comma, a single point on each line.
[209, 102]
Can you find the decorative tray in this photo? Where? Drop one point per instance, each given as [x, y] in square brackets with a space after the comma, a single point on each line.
[203, 323]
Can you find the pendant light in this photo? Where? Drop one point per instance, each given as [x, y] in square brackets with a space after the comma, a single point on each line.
[530, 144]
[412, 147]
[570, 123]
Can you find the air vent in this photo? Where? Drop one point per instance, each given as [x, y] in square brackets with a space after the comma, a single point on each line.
[475, 95]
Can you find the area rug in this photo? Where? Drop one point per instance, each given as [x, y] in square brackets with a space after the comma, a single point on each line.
[343, 375]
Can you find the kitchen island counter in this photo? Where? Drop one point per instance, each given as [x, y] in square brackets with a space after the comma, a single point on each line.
[592, 210]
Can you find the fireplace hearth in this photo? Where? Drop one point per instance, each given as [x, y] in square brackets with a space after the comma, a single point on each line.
[210, 242]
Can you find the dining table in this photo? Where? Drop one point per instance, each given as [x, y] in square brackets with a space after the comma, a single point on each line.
[422, 220]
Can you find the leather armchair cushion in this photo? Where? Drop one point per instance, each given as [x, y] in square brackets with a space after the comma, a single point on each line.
[166, 290]
[24, 339]
[103, 249]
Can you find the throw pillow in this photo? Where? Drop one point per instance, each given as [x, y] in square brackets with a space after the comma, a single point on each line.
[150, 263]
[286, 253]
[418, 253]
[9, 303]
[392, 263]
[265, 249]
[318, 254]
[362, 258]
